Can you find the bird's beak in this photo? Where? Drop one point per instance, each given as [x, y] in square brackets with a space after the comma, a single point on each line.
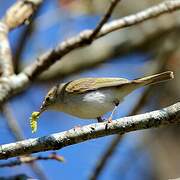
[42, 108]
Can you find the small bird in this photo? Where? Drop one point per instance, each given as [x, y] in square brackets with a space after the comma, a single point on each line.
[91, 98]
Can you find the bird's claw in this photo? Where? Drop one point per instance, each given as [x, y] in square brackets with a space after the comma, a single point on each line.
[109, 119]
[77, 127]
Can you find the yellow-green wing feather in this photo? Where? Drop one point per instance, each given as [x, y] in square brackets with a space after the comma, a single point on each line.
[89, 84]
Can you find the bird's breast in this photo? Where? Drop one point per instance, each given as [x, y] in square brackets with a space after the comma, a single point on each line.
[89, 105]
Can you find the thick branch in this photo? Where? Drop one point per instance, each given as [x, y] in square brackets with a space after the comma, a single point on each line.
[166, 116]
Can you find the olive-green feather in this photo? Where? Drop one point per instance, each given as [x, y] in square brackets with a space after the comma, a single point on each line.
[89, 84]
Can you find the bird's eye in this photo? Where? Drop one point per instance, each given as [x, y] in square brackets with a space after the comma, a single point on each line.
[48, 98]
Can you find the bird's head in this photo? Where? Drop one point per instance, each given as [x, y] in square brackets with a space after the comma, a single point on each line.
[50, 99]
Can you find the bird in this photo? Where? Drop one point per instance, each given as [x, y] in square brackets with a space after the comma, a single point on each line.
[91, 98]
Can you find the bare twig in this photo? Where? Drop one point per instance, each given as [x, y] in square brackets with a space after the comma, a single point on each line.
[31, 159]
[159, 118]
[16, 177]
[105, 157]
[12, 122]
[84, 59]
[104, 19]
[21, 45]
[6, 64]
[50, 57]
[29, 29]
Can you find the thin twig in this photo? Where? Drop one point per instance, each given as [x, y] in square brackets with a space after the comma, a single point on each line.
[17, 177]
[158, 118]
[46, 60]
[101, 163]
[12, 122]
[85, 59]
[28, 31]
[6, 64]
[31, 159]
[104, 19]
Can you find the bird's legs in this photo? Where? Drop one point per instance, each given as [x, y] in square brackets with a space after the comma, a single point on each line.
[113, 111]
[99, 119]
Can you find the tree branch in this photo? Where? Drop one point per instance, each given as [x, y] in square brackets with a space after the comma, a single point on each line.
[12, 122]
[163, 117]
[14, 17]
[84, 59]
[20, 12]
[15, 177]
[31, 159]
[24, 37]
[6, 64]
[104, 19]
[50, 57]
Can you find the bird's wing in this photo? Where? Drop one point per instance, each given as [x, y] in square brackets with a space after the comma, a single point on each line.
[89, 84]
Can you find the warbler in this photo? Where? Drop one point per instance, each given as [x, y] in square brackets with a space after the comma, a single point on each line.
[91, 98]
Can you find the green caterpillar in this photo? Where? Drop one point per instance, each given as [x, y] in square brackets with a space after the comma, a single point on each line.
[33, 121]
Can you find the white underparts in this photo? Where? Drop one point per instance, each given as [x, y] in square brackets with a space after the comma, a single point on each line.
[95, 96]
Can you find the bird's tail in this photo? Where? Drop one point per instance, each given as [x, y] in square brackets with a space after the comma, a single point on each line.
[153, 79]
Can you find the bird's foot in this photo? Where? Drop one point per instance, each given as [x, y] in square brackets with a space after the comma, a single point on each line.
[100, 119]
[77, 127]
[109, 119]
